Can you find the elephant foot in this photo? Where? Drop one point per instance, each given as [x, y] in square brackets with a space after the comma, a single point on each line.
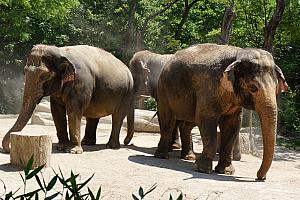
[88, 141]
[228, 170]
[60, 146]
[113, 145]
[161, 155]
[176, 144]
[74, 149]
[237, 156]
[188, 156]
[204, 164]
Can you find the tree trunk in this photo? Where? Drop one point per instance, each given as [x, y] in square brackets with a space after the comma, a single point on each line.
[271, 26]
[228, 18]
[23, 146]
[184, 16]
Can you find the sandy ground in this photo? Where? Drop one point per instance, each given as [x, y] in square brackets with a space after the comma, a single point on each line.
[121, 172]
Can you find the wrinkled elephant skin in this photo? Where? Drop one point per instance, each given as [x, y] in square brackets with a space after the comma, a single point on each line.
[208, 84]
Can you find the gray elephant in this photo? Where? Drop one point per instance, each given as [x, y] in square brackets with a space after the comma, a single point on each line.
[208, 84]
[146, 67]
[81, 81]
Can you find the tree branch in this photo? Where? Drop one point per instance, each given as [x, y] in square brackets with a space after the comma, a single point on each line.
[272, 25]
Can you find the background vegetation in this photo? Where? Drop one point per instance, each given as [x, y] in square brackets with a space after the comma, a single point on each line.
[126, 26]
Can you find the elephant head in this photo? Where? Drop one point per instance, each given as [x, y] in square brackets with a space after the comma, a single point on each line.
[256, 80]
[46, 71]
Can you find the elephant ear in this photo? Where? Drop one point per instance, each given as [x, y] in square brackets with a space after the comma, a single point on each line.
[225, 81]
[68, 70]
[282, 85]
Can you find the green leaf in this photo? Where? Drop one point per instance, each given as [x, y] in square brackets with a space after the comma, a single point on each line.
[52, 196]
[98, 193]
[28, 166]
[83, 184]
[91, 194]
[151, 189]
[141, 192]
[51, 183]
[8, 196]
[134, 197]
[34, 172]
[39, 182]
[180, 197]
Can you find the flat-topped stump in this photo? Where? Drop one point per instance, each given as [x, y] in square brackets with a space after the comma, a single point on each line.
[24, 145]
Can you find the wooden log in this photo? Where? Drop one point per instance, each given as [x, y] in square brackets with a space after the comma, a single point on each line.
[23, 146]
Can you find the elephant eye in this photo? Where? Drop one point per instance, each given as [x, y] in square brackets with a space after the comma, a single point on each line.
[45, 77]
[253, 88]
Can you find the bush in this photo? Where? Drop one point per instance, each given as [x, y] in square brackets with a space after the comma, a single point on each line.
[150, 104]
[289, 114]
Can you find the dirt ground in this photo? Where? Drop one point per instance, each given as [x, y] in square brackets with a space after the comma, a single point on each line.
[121, 172]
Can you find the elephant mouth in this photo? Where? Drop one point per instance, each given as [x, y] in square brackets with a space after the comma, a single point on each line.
[247, 102]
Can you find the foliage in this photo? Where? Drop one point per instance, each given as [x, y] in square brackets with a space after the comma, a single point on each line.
[150, 103]
[290, 113]
[126, 26]
[71, 188]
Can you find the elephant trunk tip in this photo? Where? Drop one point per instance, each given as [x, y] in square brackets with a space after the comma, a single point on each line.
[6, 143]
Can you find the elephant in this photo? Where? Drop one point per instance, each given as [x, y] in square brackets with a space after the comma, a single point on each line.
[81, 81]
[208, 84]
[146, 67]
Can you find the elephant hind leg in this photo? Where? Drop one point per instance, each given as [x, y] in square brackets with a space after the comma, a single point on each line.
[187, 151]
[167, 122]
[175, 142]
[117, 120]
[90, 131]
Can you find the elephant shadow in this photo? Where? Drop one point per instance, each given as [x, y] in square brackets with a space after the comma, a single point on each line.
[177, 164]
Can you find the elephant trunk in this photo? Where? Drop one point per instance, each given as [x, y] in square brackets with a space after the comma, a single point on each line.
[30, 99]
[267, 112]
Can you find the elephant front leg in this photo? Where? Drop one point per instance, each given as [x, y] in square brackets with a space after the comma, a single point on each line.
[187, 152]
[58, 111]
[208, 131]
[229, 127]
[74, 129]
[90, 131]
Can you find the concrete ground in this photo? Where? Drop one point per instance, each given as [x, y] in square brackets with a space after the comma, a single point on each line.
[121, 172]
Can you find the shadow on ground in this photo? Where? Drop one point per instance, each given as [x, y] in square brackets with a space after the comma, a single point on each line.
[177, 164]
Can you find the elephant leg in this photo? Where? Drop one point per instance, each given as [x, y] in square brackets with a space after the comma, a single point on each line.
[117, 120]
[187, 152]
[90, 131]
[229, 127]
[236, 152]
[74, 120]
[167, 124]
[58, 111]
[174, 142]
[208, 131]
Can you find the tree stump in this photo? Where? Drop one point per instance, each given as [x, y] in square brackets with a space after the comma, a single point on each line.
[23, 146]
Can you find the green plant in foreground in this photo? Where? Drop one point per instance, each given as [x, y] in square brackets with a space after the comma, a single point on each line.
[71, 188]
